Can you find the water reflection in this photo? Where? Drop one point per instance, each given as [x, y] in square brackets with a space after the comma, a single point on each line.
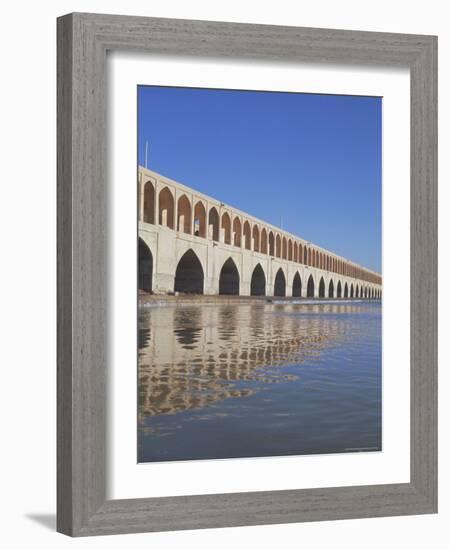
[197, 357]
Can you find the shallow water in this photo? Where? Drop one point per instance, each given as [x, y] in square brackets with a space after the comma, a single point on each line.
[245, 380]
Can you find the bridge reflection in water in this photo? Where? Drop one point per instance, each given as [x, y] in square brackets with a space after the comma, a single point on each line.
[258, 379]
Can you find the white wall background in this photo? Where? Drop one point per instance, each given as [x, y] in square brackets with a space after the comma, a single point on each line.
[28, 240]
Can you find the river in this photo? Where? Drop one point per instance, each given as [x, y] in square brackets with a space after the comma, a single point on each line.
[259, 379]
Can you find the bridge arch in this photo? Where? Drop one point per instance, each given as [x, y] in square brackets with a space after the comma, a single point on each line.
[145, 267]
[229, 282]
[189, 277]
[199, 220]
[148, 202]
[271, 249]
[278, 246]
[356, 291]
[331, 289]
[279, 283]
[295, 252]
[290, 250]
[346, 290]
[247, 235]
[166, 208]
[321, 288]
[237, 230]
[263, 241]
[297, 285]
[214, 224]
[258, 281]
[310, 287]
[339, 289]
[284, 248]
[351, 293]
[184, 220]
[256, 240]
[226, 227]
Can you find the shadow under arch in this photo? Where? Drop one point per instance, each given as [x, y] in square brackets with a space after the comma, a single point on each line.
[258, 282]
[145, 267]
[310, 287]
[331, 289]
[339, 289]
[321, 288]
[229, 282]
[279, 283]
[297, 285]
[189, 277]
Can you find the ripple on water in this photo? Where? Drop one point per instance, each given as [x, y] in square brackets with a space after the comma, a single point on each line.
[259, 379]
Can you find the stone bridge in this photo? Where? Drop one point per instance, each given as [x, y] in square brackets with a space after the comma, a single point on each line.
[192, 243]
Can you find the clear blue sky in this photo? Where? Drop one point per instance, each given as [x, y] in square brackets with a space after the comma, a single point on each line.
[310, 160]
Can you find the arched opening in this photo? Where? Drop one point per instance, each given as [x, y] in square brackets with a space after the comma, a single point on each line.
[357, 291]
[297, 285]
[263, 241]
[145, 267]
[214, 224]
[148, 202]
[346, 290]
[226, 228]
[237, 230]
[305, 259]
[321, 288]
[331, 289]
[189, 277]
[300, 258]
[339, 290]
[310, 287]
[290, 250]
[247, 235]
[295, 252]
[284, 248]
[279, 283]
[229, 278]
[199, 215]
[278, 246]
[258, 282]
[166, 208]
[184, 215]
[256, 238]
[271, 243]
[351, 294]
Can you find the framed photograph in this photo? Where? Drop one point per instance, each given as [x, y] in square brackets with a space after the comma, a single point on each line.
[247, 274]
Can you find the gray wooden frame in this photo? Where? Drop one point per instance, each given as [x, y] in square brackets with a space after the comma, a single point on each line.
[83, 40]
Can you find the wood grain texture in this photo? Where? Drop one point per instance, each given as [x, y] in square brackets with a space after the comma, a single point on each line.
[83, 40]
